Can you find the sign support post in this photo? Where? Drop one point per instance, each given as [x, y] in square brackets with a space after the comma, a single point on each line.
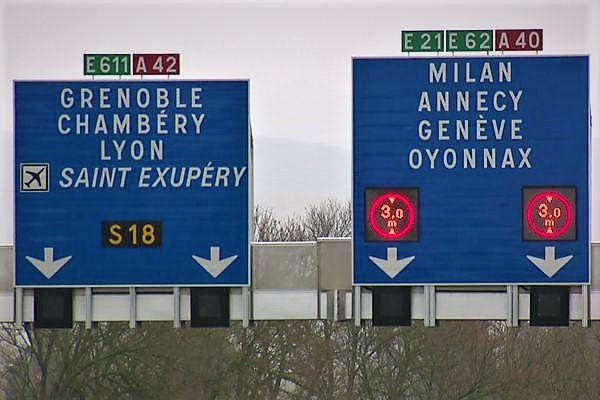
[132, 308]
[357, 305]
[176, 307]
[19, 307]
[88, 308]
[429, 319]
[512, 300]
[246, 306]
[585, 306]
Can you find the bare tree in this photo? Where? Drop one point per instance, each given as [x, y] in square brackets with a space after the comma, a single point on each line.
[330, 218]
[108, 362]
[267, 228]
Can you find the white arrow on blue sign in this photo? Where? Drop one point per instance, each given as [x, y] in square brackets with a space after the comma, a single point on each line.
[134, 177]
[469, 165]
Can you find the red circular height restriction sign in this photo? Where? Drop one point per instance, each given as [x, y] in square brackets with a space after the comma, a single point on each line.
[549, 214]
[391, 215]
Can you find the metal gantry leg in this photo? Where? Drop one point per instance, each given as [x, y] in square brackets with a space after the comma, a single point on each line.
[246, 306]
[19, 307]
[426, 305]
[515, 306]
[132, 308]
[512, 305]
[433, 305]
[509, 306]
[88, 308]
[177, 307]
[357, 305]
[429, 318]
[585, 306]
[335, 305]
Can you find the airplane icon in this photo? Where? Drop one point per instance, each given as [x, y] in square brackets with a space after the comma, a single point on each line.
[35, 177]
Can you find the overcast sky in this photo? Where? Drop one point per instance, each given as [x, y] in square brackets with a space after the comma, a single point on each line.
[297, 55]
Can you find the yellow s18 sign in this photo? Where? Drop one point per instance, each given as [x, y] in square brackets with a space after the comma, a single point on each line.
[131, 233]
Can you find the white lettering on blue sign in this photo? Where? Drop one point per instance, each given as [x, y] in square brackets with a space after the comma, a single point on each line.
[125, 113]
[479, 119]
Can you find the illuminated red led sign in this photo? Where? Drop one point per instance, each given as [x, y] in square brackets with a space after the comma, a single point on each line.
[391, 214]
[519, 39]
[549, 214]
[156, 64]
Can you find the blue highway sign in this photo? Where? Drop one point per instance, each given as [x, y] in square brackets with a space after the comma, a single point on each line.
[471, 170]
[132, 183]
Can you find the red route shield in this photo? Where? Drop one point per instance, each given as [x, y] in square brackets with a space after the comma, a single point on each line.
[519, 39]
[156, 64]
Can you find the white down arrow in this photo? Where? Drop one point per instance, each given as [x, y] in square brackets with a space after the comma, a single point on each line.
[215, 265]
[392, 266]
[48, 266]
[550, 265]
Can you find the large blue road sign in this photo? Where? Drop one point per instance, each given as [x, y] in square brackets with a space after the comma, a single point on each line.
[471, 170]
[132, 183]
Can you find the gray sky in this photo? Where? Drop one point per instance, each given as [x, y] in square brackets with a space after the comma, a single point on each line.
[297, 55]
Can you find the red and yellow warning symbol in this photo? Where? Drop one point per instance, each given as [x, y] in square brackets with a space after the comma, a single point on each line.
[391, 215]
[549, 214]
